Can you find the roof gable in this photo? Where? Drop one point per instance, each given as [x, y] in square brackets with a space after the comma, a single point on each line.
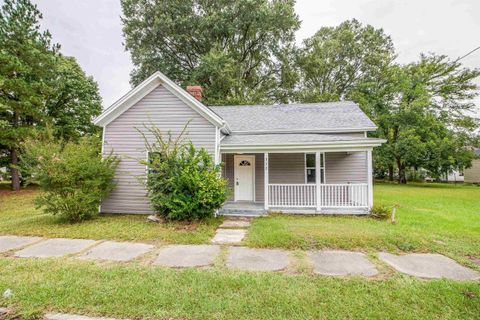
[140, 91]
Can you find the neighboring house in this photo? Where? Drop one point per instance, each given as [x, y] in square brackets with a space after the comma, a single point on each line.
[305, 158]
[3, 173]
[454, 176]
[472, 174]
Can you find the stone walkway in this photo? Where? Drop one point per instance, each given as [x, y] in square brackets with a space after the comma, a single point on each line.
[342, 263]
[231, 231]
[322, 262]
[429, 265]
[58, 316]
[182, 256]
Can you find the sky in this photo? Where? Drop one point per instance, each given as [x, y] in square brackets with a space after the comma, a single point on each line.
[91, 31]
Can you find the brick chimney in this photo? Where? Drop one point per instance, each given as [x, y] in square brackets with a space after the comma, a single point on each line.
[195, 91]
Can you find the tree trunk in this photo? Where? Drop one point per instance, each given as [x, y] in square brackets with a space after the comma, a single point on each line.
[14, 170]
[390, 173]
[14, 157]
[402, 178]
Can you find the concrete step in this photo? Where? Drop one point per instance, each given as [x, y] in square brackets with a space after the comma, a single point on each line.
[242, 212]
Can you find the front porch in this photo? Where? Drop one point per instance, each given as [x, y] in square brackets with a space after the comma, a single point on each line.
[320, 182]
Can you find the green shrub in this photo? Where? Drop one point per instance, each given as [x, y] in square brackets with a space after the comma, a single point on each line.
[183, 182]
[380, 212]
[73, 176]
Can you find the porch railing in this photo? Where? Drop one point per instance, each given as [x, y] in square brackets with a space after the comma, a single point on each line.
[344, 195]
[292, 195]
[330, 196]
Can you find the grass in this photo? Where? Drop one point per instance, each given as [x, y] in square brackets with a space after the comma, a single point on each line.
[134, 291]
[18, 216]
[442, 218]
[433, 217]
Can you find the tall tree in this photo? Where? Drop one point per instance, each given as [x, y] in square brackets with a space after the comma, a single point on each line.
[38, 86]
[26, 60]
[421, 109]
[74, 101]
[233, 48]
[335, 60]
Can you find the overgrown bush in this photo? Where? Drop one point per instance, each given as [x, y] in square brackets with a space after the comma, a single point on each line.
[380, 212]
[183, 182]
[73, 176]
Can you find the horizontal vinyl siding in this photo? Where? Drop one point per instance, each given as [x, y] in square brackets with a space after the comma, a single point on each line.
[472, 174]
[229, 174]
[342, 167]
[259, 177]
[167, 112]
[286, 167]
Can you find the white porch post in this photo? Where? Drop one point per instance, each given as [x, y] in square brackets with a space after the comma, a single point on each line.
[369, 178]
[318, 182]
[265, 180]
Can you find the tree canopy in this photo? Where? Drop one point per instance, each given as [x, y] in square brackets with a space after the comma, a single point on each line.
[421, 110]
[38, 86]
[233, 48]
[336, 59]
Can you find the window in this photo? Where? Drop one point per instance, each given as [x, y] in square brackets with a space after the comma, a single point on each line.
[151, 157]
[244, 163]
[311, 170]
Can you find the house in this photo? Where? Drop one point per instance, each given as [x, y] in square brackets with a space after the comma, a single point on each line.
[305, 158]
[453, 176]
[472, 174]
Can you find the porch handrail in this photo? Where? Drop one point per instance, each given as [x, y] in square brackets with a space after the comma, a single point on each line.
[292, 184]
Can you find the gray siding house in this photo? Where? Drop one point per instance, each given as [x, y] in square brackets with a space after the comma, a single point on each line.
[472, 174]
[294, 158]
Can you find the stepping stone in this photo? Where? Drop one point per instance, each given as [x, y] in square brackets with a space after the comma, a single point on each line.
[182, 256]
[428, 265]
[55, 248]
[117, 251]
[8, 243]
[235, 224]
[257, 259]
[341, 263]
[229, 236]
[65, 316]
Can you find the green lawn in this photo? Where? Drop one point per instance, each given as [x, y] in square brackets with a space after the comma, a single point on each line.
[18, 216]
[133, 291]
[433, 217]
[442, 218]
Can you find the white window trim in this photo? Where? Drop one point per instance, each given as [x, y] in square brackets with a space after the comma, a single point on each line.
[147, 157]
[322, 155]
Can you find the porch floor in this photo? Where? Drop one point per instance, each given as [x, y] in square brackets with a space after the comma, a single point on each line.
[243, 208]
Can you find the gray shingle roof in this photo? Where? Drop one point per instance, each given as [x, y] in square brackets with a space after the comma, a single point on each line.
[287, 138]
[306, 117]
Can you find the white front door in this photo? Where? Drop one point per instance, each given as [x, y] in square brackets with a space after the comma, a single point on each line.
[244, 177]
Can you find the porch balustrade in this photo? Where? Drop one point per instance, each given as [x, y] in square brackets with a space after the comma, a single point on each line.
[330, 195]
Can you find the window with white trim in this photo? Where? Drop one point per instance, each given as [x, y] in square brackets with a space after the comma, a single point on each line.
[311, 170]
[151, 158]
